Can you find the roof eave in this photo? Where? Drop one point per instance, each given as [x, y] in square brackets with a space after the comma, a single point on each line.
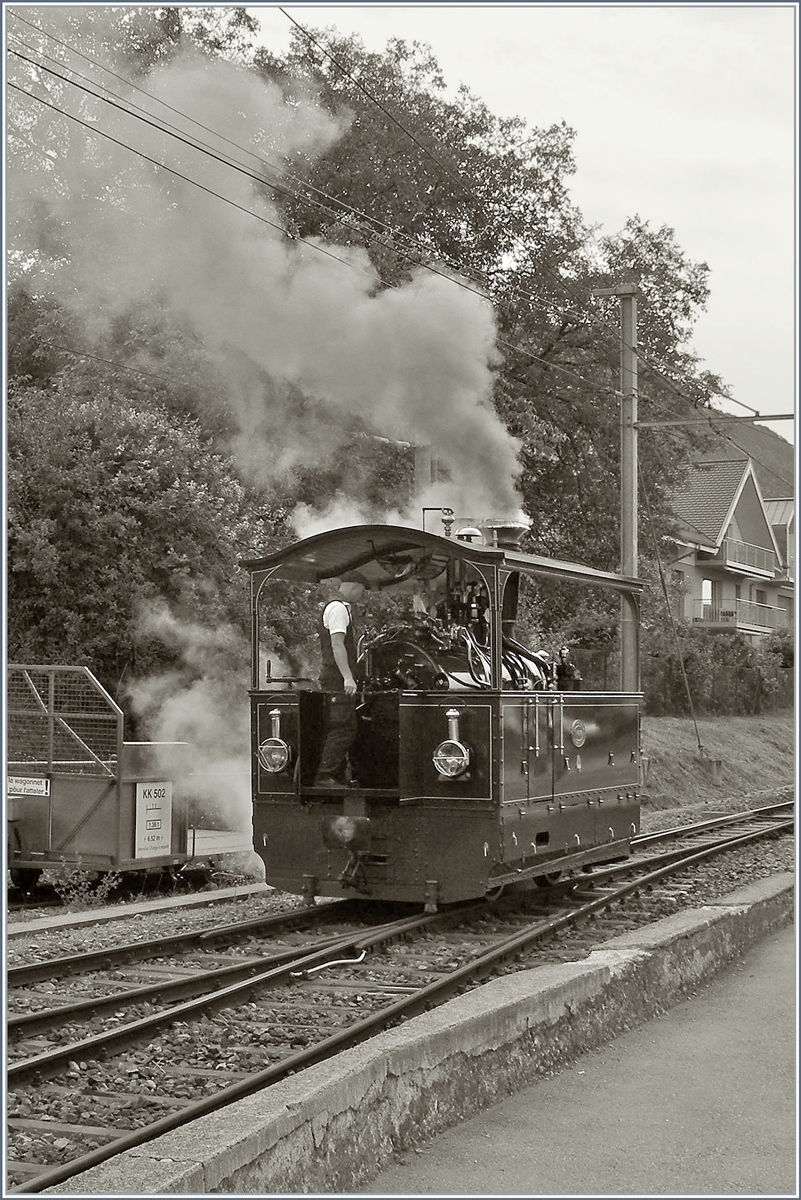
[400, 536]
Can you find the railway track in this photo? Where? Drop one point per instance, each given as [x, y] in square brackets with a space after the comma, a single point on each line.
[129, 887]
[179, 1027]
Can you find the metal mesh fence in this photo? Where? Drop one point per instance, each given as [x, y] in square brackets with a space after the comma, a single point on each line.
[61, 719]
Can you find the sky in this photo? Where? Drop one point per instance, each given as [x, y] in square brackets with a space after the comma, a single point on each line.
[685, 115]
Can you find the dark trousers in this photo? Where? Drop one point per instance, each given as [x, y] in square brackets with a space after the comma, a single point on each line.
[340, 734]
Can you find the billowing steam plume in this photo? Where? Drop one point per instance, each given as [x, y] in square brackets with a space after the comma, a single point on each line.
[413, 362]
[200, 703]
[283, 320]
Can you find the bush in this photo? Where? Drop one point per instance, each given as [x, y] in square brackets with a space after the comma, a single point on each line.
[79, 889]
[781, 645]
[725, 675]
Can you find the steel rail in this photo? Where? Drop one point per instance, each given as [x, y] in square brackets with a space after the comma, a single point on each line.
[777, 825]
[204, 981]
[140, 951]
[169, 990]
[255, 976]
[421, 1000]
[750, 814]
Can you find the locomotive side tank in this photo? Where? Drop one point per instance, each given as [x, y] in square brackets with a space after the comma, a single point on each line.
[468, 772]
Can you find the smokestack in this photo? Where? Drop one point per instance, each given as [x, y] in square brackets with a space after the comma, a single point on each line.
[505, 532]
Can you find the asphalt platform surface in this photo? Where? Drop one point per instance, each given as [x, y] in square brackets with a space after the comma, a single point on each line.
[700, 1101]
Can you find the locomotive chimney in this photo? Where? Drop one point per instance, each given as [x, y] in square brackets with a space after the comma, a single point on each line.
[505, 532]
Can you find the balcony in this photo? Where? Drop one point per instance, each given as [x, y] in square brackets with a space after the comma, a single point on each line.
[789, 570]
[741, 614]
[745, 557]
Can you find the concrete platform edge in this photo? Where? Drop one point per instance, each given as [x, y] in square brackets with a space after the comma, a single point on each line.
[331, 1127]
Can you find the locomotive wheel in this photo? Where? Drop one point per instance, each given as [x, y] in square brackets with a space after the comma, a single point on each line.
[545, 881]
[25, 878]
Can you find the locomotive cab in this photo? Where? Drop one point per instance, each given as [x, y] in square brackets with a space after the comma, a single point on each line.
[468, 772]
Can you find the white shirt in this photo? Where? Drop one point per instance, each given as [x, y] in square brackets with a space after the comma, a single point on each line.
[336, 616]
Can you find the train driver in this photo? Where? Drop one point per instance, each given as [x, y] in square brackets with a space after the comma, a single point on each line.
[337, 635]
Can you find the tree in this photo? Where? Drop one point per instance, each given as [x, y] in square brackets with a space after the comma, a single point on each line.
[418, 177]
[422, 178]
[111, 509]
[425, 194]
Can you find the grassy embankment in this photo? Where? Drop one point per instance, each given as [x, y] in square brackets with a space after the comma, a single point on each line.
[757, 757]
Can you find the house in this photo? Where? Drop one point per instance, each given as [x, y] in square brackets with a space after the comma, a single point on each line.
[735, 561]
[781, 514]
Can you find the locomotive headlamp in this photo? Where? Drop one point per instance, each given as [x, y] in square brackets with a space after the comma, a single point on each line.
[451, 757]
[274, 753]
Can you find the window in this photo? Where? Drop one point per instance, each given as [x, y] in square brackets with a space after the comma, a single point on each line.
[711, 593]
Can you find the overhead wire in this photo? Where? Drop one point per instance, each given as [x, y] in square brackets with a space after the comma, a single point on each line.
[342, 206]
[341, 211]
[204, 148]
[148, 119]
[110, 362]
[302, 241]
[178, 174]
[365, 216]
[581, 317]
[644, 359]
[457, 179]
[277, 189]
[172, 131]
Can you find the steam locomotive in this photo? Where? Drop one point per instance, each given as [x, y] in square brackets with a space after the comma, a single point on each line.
[470, 774]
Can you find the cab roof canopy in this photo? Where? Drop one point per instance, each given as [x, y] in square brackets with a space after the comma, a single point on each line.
[386, 554]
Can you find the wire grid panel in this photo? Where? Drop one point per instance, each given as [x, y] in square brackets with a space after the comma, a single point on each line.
[61, 719]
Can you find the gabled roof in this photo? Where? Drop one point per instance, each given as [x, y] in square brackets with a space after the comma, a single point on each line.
[709, 496]
[773, 457]
[706, 503]
[779, 512]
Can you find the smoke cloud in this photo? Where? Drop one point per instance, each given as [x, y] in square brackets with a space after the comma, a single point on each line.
[287, 325]
[414, 363]
[200, 703]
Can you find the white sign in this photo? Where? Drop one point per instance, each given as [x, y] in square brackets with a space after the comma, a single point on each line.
[153, 819]
[18, 786]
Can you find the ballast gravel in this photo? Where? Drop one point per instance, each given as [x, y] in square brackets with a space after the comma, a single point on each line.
[721, 876]
[137, 1086]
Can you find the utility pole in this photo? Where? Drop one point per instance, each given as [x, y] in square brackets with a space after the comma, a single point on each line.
[629, 557]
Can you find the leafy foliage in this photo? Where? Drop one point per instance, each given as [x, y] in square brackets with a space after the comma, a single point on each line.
[723, 673]
[423, 177]
[143, 462]
[112, 507]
